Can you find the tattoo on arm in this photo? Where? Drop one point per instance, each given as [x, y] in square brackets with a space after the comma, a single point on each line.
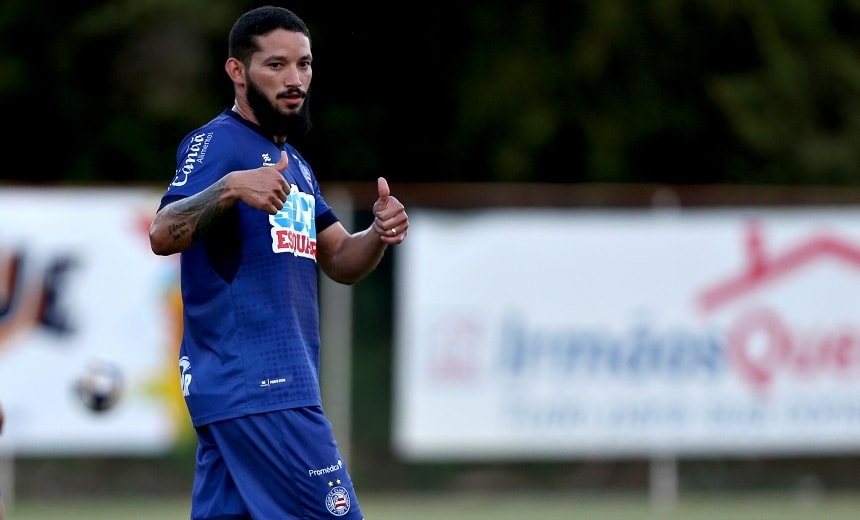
[195, 214]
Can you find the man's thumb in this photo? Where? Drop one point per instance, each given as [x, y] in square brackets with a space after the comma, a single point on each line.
[384, 191]
[282, 163]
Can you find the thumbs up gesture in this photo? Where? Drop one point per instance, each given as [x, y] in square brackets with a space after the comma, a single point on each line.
[390, 220]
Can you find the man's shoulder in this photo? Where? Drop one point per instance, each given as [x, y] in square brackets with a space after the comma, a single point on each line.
[224, 121]
[223, 128]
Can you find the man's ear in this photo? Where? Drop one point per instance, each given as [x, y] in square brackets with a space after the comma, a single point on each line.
[235, 70]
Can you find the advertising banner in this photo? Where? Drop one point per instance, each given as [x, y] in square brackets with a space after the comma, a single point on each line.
[530, 333]
[88, 324]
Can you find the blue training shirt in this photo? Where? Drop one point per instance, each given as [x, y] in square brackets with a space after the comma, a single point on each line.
[251, 338]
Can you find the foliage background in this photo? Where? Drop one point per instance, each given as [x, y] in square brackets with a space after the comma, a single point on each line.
[585, 91]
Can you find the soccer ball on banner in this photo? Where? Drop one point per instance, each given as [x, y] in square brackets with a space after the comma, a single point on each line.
[100, 386]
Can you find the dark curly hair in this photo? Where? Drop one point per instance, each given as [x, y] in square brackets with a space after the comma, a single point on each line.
[258, 22]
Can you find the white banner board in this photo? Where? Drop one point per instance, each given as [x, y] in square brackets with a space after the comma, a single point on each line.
[562, 333]
[79, 286]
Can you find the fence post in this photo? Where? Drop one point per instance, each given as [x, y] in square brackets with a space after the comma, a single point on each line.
[7, 476]
[663, 482]
[336, 338]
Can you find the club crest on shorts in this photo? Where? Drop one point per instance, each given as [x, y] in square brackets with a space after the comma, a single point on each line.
[337, 501]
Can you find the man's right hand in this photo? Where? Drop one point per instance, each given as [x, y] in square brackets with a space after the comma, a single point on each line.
[263, 188]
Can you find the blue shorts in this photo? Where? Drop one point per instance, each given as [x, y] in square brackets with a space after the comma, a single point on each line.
[282, 464]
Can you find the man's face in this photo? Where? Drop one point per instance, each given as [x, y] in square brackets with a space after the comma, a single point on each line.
[277, 83]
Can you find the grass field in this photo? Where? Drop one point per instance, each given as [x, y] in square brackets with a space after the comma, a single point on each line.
[505, 506]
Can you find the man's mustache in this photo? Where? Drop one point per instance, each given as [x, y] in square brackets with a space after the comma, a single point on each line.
[292, 92]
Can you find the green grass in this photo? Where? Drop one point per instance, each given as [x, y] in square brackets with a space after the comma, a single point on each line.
[502, 506]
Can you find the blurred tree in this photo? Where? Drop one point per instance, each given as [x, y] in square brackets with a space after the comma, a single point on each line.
[666, 91]
[115, 83]
[798, 112]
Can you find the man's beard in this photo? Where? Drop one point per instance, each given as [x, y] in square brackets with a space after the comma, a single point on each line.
[272, 120]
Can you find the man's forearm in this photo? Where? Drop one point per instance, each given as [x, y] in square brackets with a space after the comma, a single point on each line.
[182, 223]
